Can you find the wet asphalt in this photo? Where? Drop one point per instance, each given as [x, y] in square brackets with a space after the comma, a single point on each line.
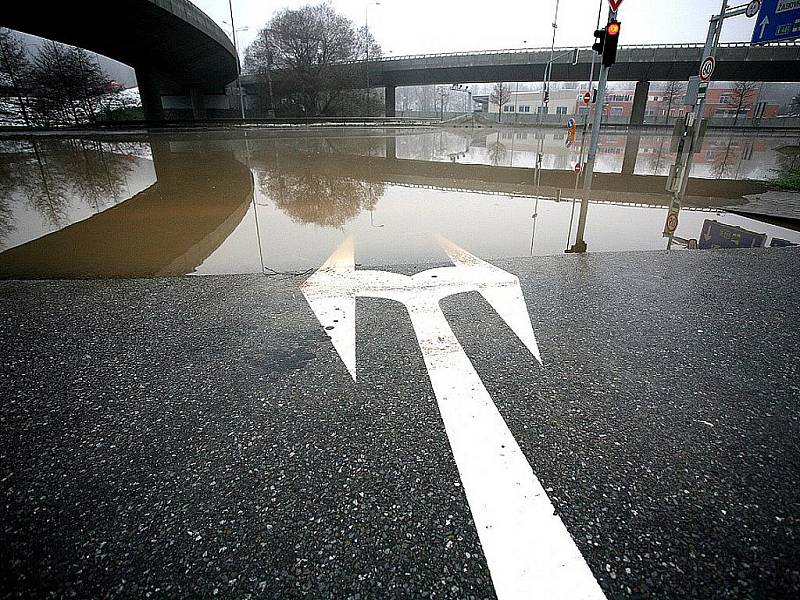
[199, 436]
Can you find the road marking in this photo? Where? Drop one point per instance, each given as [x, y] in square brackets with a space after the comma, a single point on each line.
[528, 549]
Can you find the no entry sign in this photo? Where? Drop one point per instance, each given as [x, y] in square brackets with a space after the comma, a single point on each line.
[587, 97]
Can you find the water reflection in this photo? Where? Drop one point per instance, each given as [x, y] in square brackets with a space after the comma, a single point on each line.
[232, 202]
[167, 228]
[309, 196]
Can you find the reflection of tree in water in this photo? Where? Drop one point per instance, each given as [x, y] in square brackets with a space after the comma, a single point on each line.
[497, 152]
[50, 175]
[723, 163]
[320, 199]
[656, 158]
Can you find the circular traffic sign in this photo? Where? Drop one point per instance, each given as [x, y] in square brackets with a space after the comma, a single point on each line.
[587, 97]
[672, 223]
[578, 168]
[753, 8]
[707, 68]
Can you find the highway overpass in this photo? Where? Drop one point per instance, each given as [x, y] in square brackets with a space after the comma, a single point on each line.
[642, 64]
[182, 58]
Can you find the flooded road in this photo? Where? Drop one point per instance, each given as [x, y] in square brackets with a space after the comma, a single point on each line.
[279, 202]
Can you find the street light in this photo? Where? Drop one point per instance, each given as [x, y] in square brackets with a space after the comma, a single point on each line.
[238, 62]
[366, 41]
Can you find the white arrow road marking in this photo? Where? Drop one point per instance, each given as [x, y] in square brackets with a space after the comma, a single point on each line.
[529, 552]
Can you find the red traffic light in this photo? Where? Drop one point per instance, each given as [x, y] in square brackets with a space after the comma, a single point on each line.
[613, 28]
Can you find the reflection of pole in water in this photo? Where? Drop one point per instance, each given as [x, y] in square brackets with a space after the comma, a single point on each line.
[535, 216]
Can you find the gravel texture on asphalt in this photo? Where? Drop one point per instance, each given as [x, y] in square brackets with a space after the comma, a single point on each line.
[200, 437]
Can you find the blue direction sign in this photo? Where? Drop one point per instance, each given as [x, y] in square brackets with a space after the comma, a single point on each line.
[720, 235]
[777, 21]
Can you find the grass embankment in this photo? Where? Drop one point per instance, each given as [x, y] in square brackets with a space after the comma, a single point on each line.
[788, 180]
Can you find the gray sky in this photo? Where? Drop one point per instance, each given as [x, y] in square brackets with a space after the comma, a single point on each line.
[424, 26]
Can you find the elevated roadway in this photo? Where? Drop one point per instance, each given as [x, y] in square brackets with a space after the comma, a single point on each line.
[642, 64]
[180, 54]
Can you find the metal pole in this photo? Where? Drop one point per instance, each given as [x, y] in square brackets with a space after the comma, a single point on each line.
[366, 44]
[238, 62]
[548, 68]
[580, 243]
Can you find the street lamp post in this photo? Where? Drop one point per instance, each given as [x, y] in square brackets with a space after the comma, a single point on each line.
[548, 68]
[366, 42]
[238, 62]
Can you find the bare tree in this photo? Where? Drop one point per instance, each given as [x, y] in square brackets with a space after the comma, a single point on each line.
[672, 95]
[308, 47]
[67, 85]
[14, 67]
[742, 96]
[501, 95]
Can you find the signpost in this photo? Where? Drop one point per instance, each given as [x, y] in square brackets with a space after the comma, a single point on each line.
[777, 21]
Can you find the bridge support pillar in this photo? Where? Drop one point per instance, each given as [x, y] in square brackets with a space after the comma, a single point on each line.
[639, 102]
[391, 147]
[389, 98]
[631, 152]
[150, 93]
[198, 104]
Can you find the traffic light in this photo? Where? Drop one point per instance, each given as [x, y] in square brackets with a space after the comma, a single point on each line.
[610, 43]
[600, 38]
[606, 41]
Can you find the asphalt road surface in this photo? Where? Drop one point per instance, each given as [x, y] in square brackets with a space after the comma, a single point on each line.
[201, 437]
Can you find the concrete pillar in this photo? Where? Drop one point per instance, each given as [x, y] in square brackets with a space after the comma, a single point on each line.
[631, 152]
[639, 102]
[389, 98]
[150, 93]
[198, 104]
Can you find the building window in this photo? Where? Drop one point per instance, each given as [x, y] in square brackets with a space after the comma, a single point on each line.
[561, 110]
[508, 108]
[724, 99]
[524, 108]
[542, 110]
[617, 111]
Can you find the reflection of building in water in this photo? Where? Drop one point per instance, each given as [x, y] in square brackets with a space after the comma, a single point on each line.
[166, 229]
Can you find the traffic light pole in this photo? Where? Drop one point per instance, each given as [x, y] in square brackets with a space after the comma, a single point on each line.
[580, 243]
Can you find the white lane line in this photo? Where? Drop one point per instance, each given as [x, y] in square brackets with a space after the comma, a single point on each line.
[528, 549]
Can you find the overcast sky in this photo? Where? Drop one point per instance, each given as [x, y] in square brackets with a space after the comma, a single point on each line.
[423, 26]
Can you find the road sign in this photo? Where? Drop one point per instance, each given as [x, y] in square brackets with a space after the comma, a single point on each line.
[777, 21]
[753, 8]
[571, 123]
[720, 235]
[578, 168]
[587, 97]
[672, 224]
[707, 68]
[614, 4]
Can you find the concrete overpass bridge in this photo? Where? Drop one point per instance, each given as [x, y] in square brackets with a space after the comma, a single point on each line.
[642, 64]
[181, 57]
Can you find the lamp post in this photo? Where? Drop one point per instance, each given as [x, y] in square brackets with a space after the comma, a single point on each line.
[549, 68]
[238, 62]
[366, 42]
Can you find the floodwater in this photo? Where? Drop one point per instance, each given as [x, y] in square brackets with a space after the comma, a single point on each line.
[279, 202]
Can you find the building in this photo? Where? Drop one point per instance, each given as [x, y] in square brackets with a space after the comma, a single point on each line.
[561, 102]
